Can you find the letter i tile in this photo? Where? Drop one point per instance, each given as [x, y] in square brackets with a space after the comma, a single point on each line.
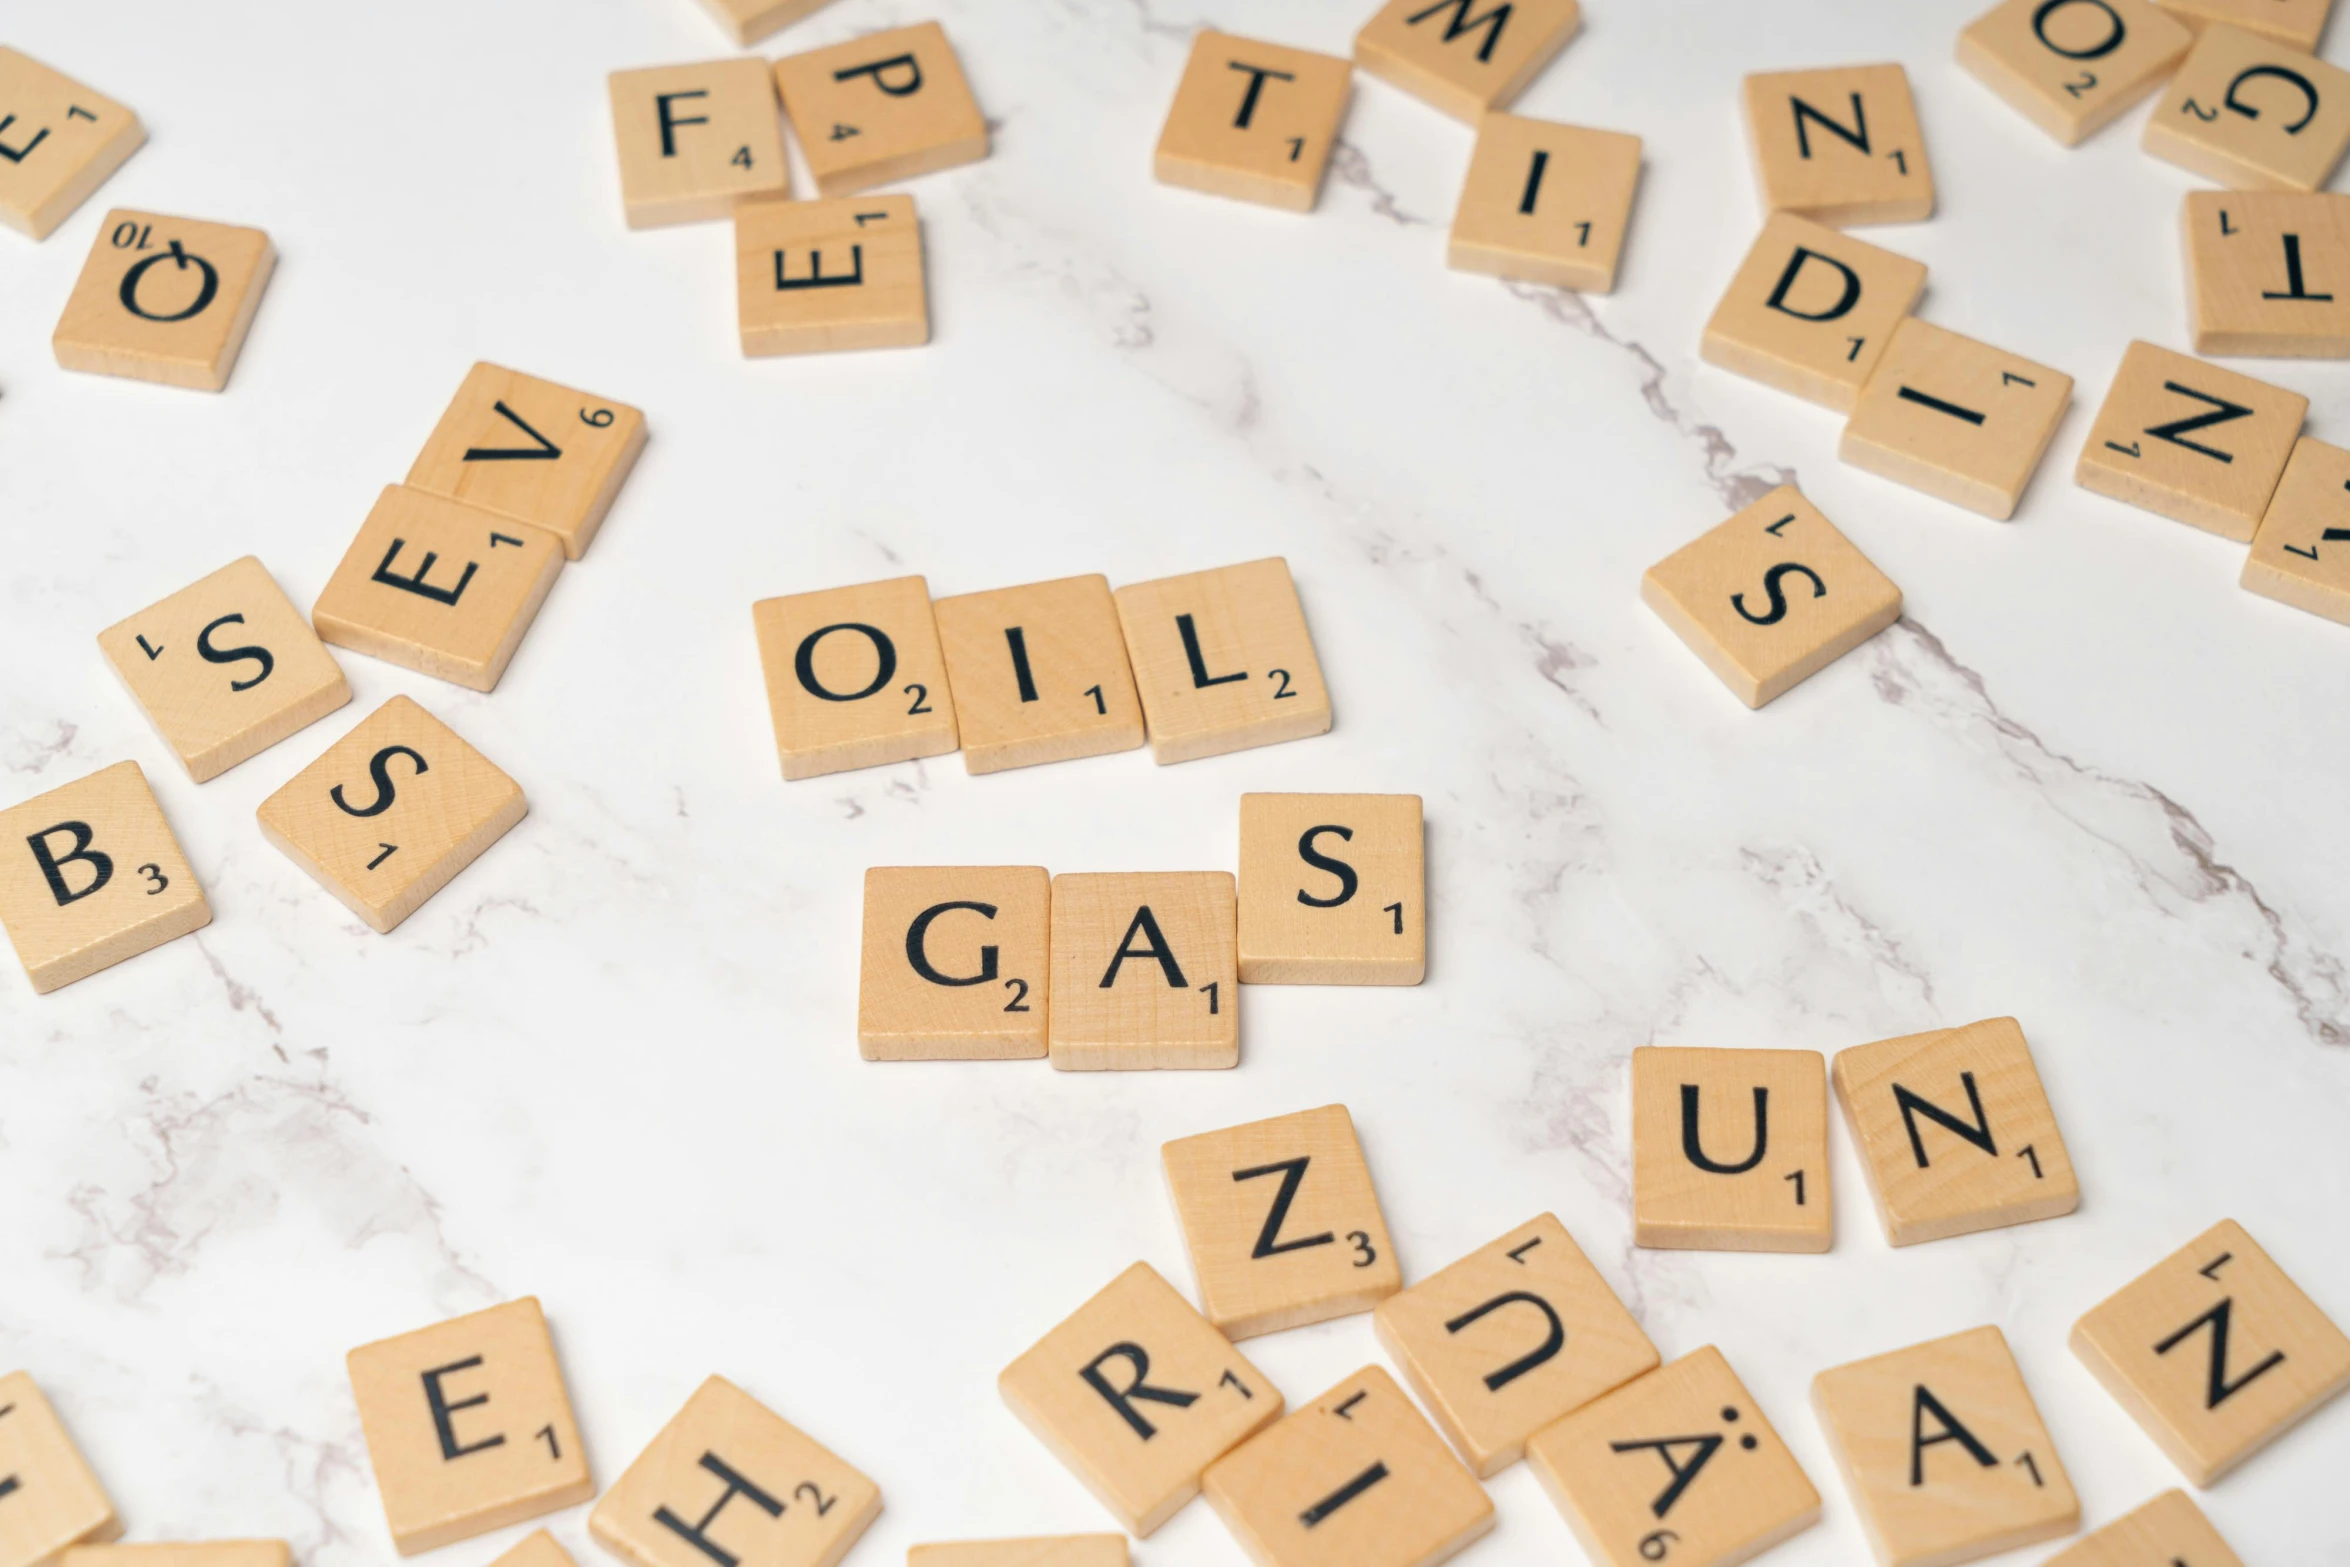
[1955, 418]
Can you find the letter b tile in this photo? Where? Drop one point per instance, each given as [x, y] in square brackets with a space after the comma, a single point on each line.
[50, 1501]
[955, 963]
[855, 677]
[1730, 1150]
[90, 874]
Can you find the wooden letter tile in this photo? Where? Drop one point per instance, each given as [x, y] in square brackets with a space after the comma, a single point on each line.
[2071, 68]
[1680, 1466]
[696, 141]
[192, 1553]
[1730, 1150]
[2215, 1352]
[1841, 145]
[2166, 1532]
[1145, 971]
[1960, 420]
[1944, 1451]
[1357, 1478]
[1332, 890]
[2253, 114]
[49, 1499]
[392, 812]
[1137, 1394]
[1281, 1222]
[881, 108]
[1463, 59]
[61, 141]
[225, 668]
[1771, 597]
[1510, 1338]
[955, 965]
[748, 21]
[1954, 1131]
[1545, 202]
[1062, 1550]
[1040, 674]
[2297, 22]
[438, 586]
[2268, 273]
[90, 874]
[2190, 441]
[1253, 121]
[532, 450]
[468, 1426]
[815, 277]
[536, 1549]
[2301, 556]
[164, 299]
[1811, 311]
[728, 1480]
[1223, 660]
[854, 677]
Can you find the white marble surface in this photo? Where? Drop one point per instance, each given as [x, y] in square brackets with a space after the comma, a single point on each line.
[2088, 782]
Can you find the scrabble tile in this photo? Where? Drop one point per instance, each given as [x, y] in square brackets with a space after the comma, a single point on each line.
[2215, 1352]
[2253, 114]
[955, 964]
[1730, 1150]
[1680, 1466]
[1811, 311]
[696, 141]
[536, 1549]
[2301, 555]
[2166, 1532]
[1062, 1550]
[192, 1553]
[2268, 273]
[2190, 441]
[1726, 595]
[1332, 890]
[98, 878]
[61, 142]
[1960, 420]
[1544, 202]
[1138, 1394]
[1357, 1478]
[1040, 674]
[1464, 59]
[748, 21]
[1223, 660]
[438, 586]
[1145, 972]
[1281, 1222]
[854, 677]
[1840, 145]
[1511, 1337]
[225, 668]
[2297, 22]
[53, 1500]
[728, 1480]
[814, 277]
[2073, 67]
[881, 108]
[1954, 1131]
[1253, 121]
[532, 450]
[392, 812]
[164, 299]
[468, 1426]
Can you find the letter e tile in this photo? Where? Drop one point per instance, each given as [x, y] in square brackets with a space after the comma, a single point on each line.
[881, 108]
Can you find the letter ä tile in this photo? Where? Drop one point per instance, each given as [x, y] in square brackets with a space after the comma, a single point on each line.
[728, 1479]
[956, 963]
[1332, 890]
[164, 299]
[1357, 1478]
[696, 141]
[823, 276]
[1223, 660]
[855, 677]
[1811, 311]
[1730, 1150]
[62, 141]
[1253, 121]
[881, 108]
[2168, 1530]
[2072, 68]
[1040, 674]
[532, 450]
[2250, 113]
[1545, 202]
[1145, 972]
[192, 1553]
[2301, 555]
[1137, 1393]
[1840, 145]
[90, 874]
[50, 1501]
[2297, 22]
[1061, 1550]
[2190, 441]
[1463, 59]
[1955, 418]
[2268, 273]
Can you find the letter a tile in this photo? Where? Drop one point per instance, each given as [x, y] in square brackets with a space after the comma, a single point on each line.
[1960, 420]
[2297, 22]
[854, 677]
[468, 1426]
[90, 874]
[1040, 674]
[2268, 273]
[1510, 1338]
[1281, 1222]
[1464, 59]
[955, 963]
[53, 1501]
[2073, 67]
[1730, 1150]
[1223, 660]
[696, 141]
[2301, 556]
[728, 1480]
[1680, 1466]
[1357, 1478]
[2190, 441]
[1840, 145]
[1545, 202]
[1944, 1452]
[2164, 1533]
[392, 812]
[2253, 114]
[164, 299]
[61, 142]
[881, 108]
[1955, 1132]
[1253, 121]
[532, 450]
[1145, 972]
[2215, 1352]
[1062, 1550]
[1138, 1394]
[1811, 311]
[1333, 890]
[1771, 597]
[815, 277]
